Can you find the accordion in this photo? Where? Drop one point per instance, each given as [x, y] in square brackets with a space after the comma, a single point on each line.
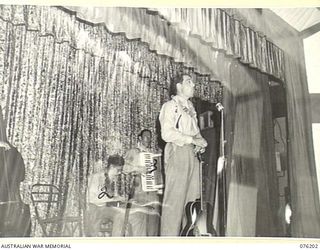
[152, 180]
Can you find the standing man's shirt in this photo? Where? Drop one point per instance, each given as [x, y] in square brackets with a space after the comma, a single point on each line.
[179, 122]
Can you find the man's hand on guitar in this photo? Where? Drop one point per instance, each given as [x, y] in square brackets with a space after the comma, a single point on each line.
[198, 149]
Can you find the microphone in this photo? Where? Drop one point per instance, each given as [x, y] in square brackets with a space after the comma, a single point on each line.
[219, 107]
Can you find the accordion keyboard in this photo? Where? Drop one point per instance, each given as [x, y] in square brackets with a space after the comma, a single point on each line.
[151, 180]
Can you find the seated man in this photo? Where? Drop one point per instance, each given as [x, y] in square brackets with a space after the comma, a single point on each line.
[104, 204]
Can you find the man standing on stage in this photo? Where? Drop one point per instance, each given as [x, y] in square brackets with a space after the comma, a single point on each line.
[179, 129]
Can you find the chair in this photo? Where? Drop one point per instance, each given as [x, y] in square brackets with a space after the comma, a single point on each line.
[95, 224]
[99, 221]
[46, 199]
[106, 227]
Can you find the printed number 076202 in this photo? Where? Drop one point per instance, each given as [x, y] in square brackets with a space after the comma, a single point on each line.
[309, 246]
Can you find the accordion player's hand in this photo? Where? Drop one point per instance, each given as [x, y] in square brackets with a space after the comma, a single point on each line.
[134, 172]
[136, 168]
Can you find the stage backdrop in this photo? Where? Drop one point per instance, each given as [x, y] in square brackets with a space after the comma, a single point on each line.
[73, 93]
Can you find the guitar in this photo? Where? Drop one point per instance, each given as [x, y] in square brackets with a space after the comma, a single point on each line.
[198, 222]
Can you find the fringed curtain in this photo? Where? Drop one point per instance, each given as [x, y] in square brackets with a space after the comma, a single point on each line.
[187, 33]
[73, 93]
[221, 30]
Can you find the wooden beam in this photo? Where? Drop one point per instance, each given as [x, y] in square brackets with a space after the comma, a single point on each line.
[310, 31]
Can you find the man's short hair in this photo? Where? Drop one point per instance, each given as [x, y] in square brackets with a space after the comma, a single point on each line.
[116, 160]
[143, 131]
[173, 84]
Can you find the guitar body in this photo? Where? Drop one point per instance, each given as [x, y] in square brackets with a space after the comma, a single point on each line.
[203, 225]
[192, 210]
[199, 223]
